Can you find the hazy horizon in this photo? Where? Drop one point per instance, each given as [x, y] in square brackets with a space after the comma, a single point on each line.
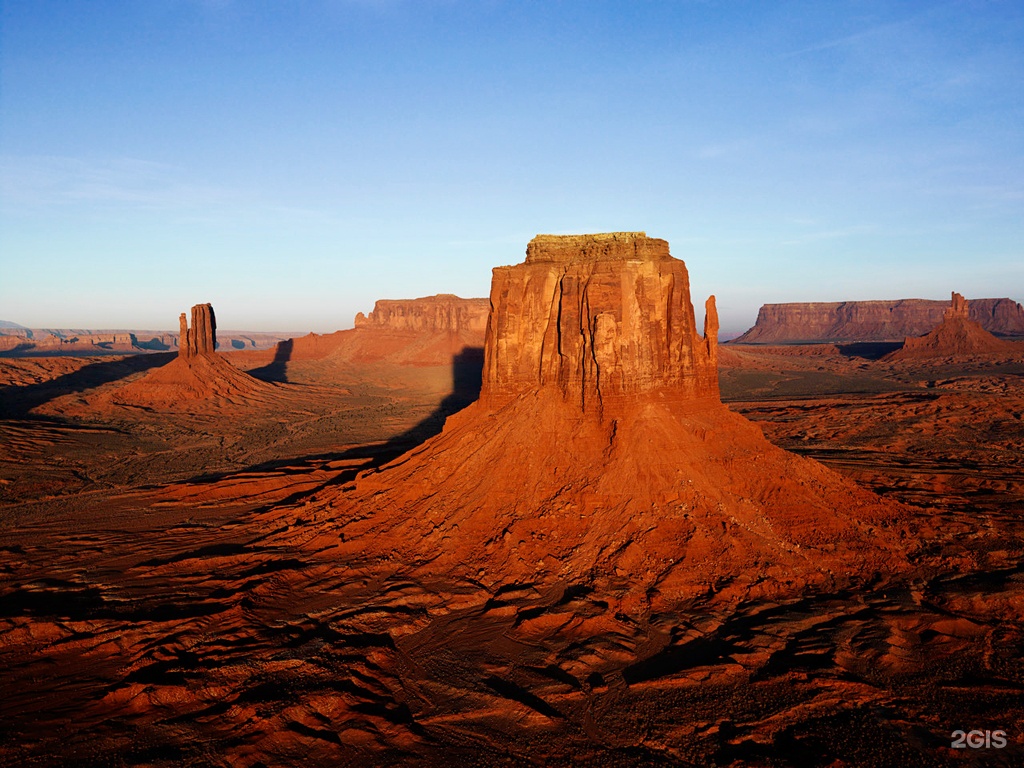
[293, 164]
[725, 333]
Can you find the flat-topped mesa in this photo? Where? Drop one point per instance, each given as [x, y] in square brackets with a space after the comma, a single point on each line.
[444, 312]
[604, 318]
[201, 338]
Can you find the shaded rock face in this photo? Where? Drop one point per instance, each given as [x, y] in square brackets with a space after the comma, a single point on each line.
[443, 312]
[201, 338]
[956, 336]
[598, 317]
[874, 320]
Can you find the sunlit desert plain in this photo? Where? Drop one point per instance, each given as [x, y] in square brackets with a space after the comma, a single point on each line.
[559, 526]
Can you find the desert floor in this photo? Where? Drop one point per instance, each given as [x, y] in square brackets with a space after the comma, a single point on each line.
[152, 614]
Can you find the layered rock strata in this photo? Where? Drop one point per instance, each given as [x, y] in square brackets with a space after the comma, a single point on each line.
[873, 320]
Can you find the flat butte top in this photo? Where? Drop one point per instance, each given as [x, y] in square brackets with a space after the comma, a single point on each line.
[605, 246]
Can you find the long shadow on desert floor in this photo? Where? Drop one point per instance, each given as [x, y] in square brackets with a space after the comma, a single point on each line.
[277, 369]
[466, 368]
[17, 402]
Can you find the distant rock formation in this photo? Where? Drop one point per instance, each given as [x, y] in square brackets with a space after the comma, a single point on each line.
[81, 342]
[443, 312]
[600, 450]
[429, 331]
[197, 378]
[201, 338]
[955, 337]
[873, 320]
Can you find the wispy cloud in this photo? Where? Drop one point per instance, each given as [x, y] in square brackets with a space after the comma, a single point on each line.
[825, 235]
[848, 40]
[43, 181]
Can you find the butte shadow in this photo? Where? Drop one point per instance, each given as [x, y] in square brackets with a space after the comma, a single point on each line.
[17, 402]
[599, 451]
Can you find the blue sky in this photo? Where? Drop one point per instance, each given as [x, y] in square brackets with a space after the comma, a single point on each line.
[291, 162]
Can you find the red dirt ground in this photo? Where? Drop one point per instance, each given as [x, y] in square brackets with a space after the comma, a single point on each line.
[181, 586]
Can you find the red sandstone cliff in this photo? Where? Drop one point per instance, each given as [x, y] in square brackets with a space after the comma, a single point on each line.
[873, 320]
[600, 450]
[956, 336]
[598, 316]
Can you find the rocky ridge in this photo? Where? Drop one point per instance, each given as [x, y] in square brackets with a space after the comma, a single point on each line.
[444, 312]
[429, 331]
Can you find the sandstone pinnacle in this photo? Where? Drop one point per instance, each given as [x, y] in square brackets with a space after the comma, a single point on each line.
[201, 338]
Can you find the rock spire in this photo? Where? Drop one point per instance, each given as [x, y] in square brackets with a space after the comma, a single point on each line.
[957, 307]
[201, 338]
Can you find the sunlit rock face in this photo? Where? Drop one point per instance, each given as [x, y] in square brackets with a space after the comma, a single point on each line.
[444, 312]
[599, 317]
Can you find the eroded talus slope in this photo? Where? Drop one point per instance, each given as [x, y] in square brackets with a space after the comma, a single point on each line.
[599, 445]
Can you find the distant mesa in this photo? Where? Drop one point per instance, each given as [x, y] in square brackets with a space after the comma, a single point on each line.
[66, 341]
[16, 340]
[957, 336]
[600, 449]
[442, 313]
[428, 331]
[873, 320]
